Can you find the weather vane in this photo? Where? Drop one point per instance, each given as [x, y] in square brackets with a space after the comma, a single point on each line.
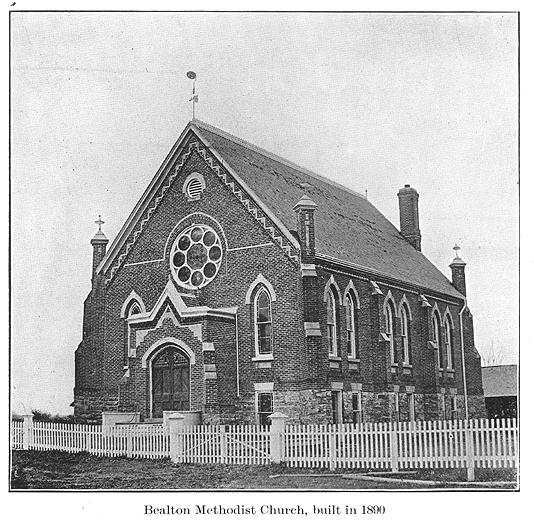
[194, 98]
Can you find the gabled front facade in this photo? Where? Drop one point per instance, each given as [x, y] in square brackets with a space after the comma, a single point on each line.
[215, 298]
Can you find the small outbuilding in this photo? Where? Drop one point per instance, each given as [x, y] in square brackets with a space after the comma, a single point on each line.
[500, 390]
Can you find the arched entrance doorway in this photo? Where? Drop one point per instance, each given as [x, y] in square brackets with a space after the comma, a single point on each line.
[170, 381]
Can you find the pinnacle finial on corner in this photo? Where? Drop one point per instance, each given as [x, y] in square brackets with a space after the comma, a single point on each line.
[305, 203]
[457, 260]
[99, 236]
[100, 222]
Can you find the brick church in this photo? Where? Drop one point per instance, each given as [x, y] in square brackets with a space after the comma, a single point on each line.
[242, 284]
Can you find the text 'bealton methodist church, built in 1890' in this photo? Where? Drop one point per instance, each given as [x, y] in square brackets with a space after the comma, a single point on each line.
[242, 284]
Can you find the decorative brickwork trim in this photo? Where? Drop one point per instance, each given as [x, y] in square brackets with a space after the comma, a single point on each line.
[154, 349]
[331, 283]
[246, 200]
[308, 269]
[133, 296]
[264, 387]
[404, 301]
[376, 289]
[435, 309]
[312, 328]
[389, 297]
[260, 280]
[350, 288]
[447, 313]
[424, 301]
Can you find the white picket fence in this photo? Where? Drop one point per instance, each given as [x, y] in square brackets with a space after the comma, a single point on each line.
[232, 444]
[136, 441]
[17, 434]
[480, 443]
[407, 445]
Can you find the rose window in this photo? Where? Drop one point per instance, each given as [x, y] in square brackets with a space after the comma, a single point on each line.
[196, 256]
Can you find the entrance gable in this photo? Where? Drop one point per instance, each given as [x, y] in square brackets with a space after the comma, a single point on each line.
[171, 296]
[172, 307]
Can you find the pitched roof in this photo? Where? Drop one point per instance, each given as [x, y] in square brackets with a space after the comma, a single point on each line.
[499, 380]
[347, 226]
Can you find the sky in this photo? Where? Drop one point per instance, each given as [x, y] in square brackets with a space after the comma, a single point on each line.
[372, 101]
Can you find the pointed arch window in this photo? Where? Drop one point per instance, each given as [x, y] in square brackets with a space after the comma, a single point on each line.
[134, 308]
[449, 355]
[390, 331]
[436, 332]
[331, 322]
[405, 336]
[264, 322]
[353, 349]
[131, 309]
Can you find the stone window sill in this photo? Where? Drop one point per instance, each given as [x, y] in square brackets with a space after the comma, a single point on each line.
[354, 360]
[333, 357]
[263, 357]
[446, 373]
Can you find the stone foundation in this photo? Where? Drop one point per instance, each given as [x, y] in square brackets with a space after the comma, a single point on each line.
[303, 407]
[477, 407]
[309, 407]
[88, 406]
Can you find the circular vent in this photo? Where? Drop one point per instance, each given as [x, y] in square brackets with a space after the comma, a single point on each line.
[194, 189]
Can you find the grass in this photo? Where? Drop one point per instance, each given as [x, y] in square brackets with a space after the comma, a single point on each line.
[457, 475]
[60, 470]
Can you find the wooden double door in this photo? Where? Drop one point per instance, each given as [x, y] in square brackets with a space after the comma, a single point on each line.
[171, 381]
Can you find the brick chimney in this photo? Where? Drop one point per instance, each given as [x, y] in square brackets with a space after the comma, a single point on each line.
[458, 272]
[409, 215]
[99, 243]
[305, 209]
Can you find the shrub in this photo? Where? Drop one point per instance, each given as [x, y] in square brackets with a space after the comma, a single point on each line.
[53, 418]
[18, 477]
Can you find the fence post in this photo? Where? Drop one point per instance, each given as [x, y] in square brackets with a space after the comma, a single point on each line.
[332, 450]
[470, 451]
[394, 442]
[129, 441]
[277, 440]
[223, 443]
[176, 431]
[27, 431]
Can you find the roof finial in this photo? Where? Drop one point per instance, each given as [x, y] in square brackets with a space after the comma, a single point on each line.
[457, 260]
[194, 97]
[100, 222]
[366, 196]
[99, 236]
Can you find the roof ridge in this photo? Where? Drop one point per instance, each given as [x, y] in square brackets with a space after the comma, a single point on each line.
[273, 156]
